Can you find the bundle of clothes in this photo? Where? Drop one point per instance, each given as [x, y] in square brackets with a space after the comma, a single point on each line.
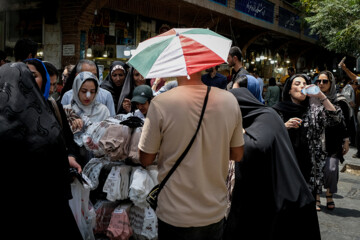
[116, 194]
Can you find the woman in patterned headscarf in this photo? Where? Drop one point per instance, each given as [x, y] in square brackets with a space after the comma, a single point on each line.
[34, 155]
[115, 81]
[336, 137]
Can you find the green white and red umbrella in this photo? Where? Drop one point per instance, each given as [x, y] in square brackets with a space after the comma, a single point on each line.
[180, 52]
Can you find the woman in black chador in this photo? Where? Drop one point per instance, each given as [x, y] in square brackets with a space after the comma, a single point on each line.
[271, 199]
[33, 153]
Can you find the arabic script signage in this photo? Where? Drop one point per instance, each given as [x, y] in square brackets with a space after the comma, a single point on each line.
[289, 20]
[260, 9]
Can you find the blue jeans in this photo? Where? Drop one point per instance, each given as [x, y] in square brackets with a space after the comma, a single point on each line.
[210, 232]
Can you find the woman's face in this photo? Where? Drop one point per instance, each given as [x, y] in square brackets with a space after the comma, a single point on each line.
[323, 83]
[87, 92]
[36, 74]
[295, 91]
[138, 78]
[118, 77]
[143, 107]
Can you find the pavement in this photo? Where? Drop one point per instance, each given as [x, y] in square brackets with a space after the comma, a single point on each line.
[343, 223]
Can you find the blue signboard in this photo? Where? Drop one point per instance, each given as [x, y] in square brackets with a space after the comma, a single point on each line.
[289, 20]
[260, 9]
[222, 2]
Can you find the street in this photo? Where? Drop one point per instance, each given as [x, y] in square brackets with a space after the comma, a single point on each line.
[343, 223]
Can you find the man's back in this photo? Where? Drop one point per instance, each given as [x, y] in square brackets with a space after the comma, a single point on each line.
[195, 194]
[218, 80]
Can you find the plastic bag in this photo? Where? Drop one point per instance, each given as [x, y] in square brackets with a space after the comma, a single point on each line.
[82, 209]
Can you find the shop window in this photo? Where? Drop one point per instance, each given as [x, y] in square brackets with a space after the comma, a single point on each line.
[109, 29]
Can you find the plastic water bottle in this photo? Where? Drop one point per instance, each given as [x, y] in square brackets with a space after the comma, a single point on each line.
[312, 89]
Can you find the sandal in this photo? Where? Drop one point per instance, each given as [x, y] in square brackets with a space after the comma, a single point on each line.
[318, 205]
[330, 205]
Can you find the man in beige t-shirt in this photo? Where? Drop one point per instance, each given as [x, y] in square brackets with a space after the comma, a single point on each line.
[193, 203]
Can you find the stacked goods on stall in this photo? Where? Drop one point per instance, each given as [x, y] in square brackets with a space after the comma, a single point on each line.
[119, 184]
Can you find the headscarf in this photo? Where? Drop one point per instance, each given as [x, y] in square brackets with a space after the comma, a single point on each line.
[127, 89]
[331, 95]
[39, 65]
[95, 111]
[252, 85]
[71, 77]
[109, 85]
[287, 105]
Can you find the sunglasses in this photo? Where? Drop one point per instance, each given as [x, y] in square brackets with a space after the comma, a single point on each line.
[324, 81]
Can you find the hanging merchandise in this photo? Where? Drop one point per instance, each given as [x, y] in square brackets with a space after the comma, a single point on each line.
[118, 184]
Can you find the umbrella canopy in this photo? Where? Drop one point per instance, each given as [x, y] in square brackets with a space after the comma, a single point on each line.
[180, 52]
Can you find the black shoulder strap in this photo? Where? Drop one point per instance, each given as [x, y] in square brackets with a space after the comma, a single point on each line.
[189, 146]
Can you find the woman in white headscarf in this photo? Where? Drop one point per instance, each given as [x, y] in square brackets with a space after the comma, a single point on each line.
[84, 110]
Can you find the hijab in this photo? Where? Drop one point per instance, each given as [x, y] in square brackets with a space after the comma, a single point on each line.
[40, 67]
[95, 111]
[287, 106]
[109, 85]
[331, 95]
[72, 75]
[254, 87]
[127, 89]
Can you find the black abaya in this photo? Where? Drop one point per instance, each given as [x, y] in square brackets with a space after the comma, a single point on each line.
[36, 186]
[271, 199]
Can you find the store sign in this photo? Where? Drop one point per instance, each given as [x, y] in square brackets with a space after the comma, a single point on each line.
[69, 50]
[260, 9]
[289, 20]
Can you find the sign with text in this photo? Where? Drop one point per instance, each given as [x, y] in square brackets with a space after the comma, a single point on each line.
[289, 20]
[69, 50]
[260, 9]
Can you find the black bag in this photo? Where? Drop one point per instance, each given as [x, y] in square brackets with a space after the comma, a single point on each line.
[152, 197]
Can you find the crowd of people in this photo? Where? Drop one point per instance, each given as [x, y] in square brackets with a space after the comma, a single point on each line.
[261, 158]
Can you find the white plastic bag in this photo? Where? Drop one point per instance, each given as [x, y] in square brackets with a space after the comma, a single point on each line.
[84, 213]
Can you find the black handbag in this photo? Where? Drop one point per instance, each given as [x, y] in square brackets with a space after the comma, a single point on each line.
[152, 196]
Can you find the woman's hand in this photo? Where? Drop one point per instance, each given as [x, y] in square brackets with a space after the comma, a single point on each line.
[91, 144]
[77, 124]
[293, 123]
[127, 105]
[346, 146]
[73, 163]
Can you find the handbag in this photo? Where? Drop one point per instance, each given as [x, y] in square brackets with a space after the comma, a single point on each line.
[152, 196]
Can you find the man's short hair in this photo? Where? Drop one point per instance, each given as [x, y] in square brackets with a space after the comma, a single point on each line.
[236, 51]
[84, 61]
[23, 48]
[51, 69]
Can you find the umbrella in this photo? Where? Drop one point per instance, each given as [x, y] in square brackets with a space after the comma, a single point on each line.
[180, 52]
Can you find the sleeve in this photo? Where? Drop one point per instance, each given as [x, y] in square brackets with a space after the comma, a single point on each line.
[66, 99]
[151, 135]
[237, 139]
[110, 103]
[72, 147]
